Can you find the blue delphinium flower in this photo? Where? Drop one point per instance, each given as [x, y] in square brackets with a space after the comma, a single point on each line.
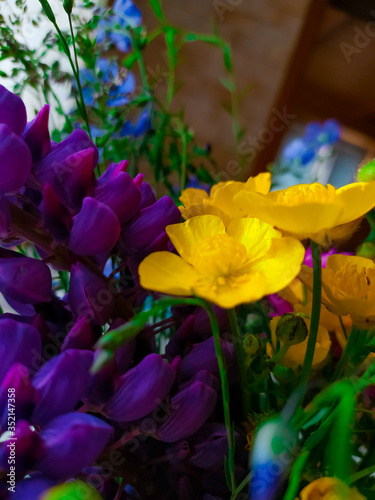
[141, 126]
[115, 27]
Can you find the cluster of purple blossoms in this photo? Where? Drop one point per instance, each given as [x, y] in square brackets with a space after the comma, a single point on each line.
[153, 420]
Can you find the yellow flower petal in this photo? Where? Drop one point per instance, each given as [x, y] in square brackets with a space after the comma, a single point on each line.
[167, 273]
[187, 236]
[256, 236]
[193, 196]
[281, 264]
[260, 183]
[231, 293]
[330, 488]
[357, 199]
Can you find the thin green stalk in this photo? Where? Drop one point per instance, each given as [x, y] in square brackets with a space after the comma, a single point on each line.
[241, 486]
[315, 311]
[184, 160]
[240, 355]
[345, 354]
[362, 473]
[295, 475]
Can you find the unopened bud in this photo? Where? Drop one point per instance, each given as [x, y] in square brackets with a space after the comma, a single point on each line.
[251, 345]
[291, 329]
[367, 172]
[68, 6]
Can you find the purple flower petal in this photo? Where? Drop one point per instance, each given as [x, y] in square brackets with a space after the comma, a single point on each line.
[120, 194]
[36, 134]
[32, 488]
[150, 223]
[12, 111]
[141, 389]
[72, 442]
[191, 408]
[25, 280]
[15, 161]
[19, 342]
[80, 336]
[61, 383]
[95, 230]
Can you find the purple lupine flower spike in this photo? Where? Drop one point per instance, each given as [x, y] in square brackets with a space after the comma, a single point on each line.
[141, 389]
[190, 410]
[72, 442]
[61, 383]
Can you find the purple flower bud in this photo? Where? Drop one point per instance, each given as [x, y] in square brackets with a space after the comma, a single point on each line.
[141, 389]
[72, 442]
[25, 448]
[124, 354]
[210, 446]
[191, 408]
[75, 178]
[36, 134]
[150, 223]
[120, 194]
[19, 342]
[54, 163]
[25, 395]
[112, 171]
[204, 376]
[101, 385]
[25, 280]
[89, 294]
[95, 230]
[61, 383]
[80, 336]
[12, 111]
[15, 161]
[182, 336]
[203, 357]
[148, 196]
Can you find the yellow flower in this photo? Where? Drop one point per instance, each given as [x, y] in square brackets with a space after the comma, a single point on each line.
[329, 488]
[228, 267]
[314, 211]
[295, 355]
[348, 287]
[220, 201]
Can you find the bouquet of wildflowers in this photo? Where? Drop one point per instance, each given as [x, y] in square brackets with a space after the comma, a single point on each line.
[217, 346]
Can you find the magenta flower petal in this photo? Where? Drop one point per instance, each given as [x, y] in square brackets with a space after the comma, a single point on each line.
[141, 389]
[36, 134]
[12, 111]
[72, 442]
[61, 383]
[15, 161]
[25, 280]
[95, 230]
[19, 342]
[190, 409]
[120, 194]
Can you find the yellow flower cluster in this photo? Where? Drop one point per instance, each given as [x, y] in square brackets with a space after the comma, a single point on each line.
[240, 242]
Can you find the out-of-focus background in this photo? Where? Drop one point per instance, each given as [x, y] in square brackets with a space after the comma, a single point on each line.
[294, 62]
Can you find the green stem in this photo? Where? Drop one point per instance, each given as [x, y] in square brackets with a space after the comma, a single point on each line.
[363, 473]
[241, 486]
[240, 355]
[295, 475]
[183, 157]
[281, 353]
[315, 312]
[345, 354]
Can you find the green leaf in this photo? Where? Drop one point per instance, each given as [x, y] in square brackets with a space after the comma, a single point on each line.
[72, 491]
[48, 10]
[156, 7]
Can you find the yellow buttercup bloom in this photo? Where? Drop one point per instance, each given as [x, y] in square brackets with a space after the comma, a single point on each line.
[220, 200]
[295, 355]
[329, 488]
[227, 266]
[348, 287]
[314, 211]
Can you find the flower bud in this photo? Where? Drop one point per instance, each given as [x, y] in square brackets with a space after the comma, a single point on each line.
[367, 172]
[291, 329]
[68, 6]
[251, 345]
